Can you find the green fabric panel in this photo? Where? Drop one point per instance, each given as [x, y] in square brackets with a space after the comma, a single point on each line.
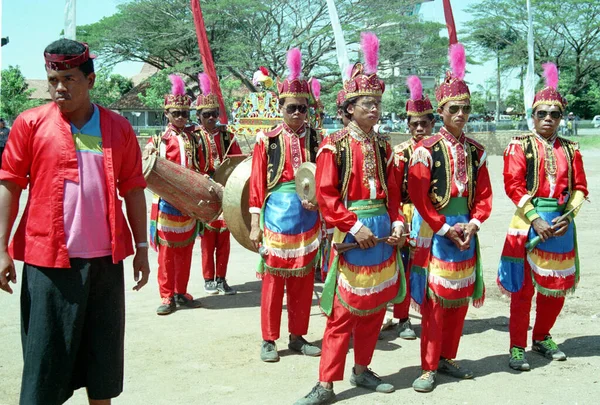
[456, 206]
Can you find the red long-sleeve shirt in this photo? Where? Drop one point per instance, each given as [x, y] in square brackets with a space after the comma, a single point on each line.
[419, 182]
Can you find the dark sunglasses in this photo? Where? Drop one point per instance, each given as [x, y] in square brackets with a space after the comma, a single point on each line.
[208, 114]
[417, 124]
[370, 105]
[182, 114]
[453, 109]
[543, 114]
[292, 108]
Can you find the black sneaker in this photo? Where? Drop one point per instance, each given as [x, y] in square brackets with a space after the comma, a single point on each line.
[300, 345]
[223, 287]
[210, 287]
[319, 395]
[186, 301]
[517, 359]
[369, 380]
[548, 349]
[452, 368]
[167, 307]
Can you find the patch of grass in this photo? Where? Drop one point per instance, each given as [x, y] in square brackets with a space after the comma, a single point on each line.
[588, 142]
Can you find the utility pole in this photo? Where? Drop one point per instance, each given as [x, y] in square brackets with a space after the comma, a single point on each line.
[497, 83]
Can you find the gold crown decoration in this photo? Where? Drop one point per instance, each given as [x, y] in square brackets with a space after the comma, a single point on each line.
[293, 85]
[177, 99]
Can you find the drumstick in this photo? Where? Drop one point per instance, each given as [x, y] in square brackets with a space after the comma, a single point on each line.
[344, 247]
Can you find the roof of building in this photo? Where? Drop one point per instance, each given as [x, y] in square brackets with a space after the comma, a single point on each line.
[131, 101]
[40, 89]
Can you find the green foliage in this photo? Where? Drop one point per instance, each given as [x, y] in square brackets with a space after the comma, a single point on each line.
[478, 103]
[154, 96]
[14, 94]
[109, 88]
[514, 99]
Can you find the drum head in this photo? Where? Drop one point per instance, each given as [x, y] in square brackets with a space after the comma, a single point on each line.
[227, 167]
[148, 162]
[236, 204]
[306, 186]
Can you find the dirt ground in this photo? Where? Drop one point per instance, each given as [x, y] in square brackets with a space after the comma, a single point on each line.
[211, 355]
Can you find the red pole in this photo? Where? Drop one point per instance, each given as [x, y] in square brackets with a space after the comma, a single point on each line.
[207, 59]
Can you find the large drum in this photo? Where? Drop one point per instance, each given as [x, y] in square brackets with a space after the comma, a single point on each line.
[236, 204]
[190, 192]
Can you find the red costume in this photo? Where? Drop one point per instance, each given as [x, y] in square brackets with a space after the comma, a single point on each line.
[213, 148]
[448, 182]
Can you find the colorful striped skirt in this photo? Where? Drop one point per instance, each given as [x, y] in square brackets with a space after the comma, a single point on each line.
[554, 264]
[365, 280]
[169, 227]
[291, 234]
[443, 272]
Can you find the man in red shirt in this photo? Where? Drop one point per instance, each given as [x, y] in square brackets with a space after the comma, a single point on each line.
[544, 177]
[214, 145]
[75, 156]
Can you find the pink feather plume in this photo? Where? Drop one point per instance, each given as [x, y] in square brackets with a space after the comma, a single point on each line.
[458, 60]
[177, 85]
[204, 83]
[415, 86]
[369, 43]
[316, 88]
[294, 63]
[551, 75]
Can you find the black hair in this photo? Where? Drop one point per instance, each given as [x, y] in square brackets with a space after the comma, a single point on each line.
[65, 46]
[348, 103]
[429, 116]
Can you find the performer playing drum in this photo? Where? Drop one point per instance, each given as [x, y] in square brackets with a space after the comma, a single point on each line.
[173, 233]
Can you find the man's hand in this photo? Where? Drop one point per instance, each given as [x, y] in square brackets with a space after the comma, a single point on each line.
[365, 238]
[307, 205]
[141, 266]
[397, 238]
[255, 231]
[456, 238]
[7, 272]
[560, 228]
[469, 231]
[543, 229]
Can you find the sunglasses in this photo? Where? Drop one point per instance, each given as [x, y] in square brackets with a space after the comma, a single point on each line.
[453, 109]
[208, 114]
[370, 105]
[292, 108]
[417, 124]
[540, 115]
[182, 114]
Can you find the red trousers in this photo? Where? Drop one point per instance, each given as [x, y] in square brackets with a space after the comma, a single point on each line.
[546, 312]
[340, 326]
[441, 329]
[401, 310]
[215, 243]
[299, 300]
[174, 269]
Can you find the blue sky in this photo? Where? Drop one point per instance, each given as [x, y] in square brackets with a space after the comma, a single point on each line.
[33, 24]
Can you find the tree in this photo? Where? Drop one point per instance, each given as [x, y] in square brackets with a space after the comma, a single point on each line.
[109, 88]
[566, 33]
[15, 94]
[245, 34]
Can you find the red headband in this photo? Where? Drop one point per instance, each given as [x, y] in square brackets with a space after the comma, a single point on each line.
[66, 62]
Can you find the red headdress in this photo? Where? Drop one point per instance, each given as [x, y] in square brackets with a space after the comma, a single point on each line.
[206, 98]
[66, 62]
[293, 86]
[418, 104]
[363, 79]
[549, 94]
[341, 97]
[177, 98]
[454, 87]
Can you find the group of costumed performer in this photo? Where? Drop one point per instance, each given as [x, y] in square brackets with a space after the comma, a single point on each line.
[449, 185]
[173, 233]
[358, 195]
[420, 120]
[214, 145]
[544, 177]
[285, 229]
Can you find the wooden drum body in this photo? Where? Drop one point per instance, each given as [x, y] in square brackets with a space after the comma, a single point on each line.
[190, 192]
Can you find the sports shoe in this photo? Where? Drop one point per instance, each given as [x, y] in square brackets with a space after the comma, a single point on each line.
[405, 331]
[425, 382]
[210, 287]
[517, 359]
[223, 287]
[548, 349]
[186, 301]
[368, 379]
[167, 307]
[319, 395]
[300, 345]
[268, 352]
[452, 368]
